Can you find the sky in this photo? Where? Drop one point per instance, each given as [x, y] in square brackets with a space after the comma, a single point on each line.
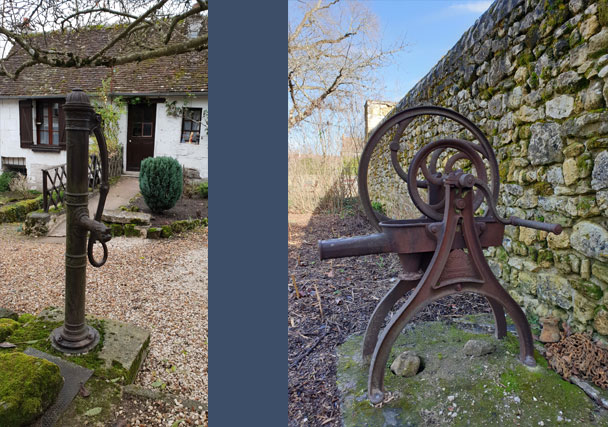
[430, 29]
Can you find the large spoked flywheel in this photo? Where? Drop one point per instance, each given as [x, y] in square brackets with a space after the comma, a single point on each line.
[432, 162]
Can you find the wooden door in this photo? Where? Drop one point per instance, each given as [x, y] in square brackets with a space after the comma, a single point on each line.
[140, 134]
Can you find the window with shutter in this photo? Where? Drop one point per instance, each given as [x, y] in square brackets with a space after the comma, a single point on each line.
[50, 126]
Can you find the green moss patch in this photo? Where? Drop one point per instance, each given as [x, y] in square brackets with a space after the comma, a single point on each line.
[495, 389]
[7, 326]
[28, 385]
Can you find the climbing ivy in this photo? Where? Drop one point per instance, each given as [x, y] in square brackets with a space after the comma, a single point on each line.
[110, 111]
[173, 110]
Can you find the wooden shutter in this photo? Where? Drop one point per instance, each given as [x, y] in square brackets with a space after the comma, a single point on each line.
[61, 124]
[26, 131]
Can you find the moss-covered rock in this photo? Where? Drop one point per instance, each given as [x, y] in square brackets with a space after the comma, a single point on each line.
[28, 385]
[131, 231]
[166, 231]
[7, 326]
[117, 230]
[153, 233]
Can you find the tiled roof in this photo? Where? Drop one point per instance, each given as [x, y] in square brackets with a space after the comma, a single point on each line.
[179, 73]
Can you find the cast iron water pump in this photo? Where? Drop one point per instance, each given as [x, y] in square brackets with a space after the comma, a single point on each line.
[440, 253]
[75, 336]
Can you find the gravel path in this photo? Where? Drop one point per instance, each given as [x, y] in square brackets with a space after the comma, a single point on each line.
[160, 285]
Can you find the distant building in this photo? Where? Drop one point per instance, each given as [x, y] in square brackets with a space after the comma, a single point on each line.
[375, 111]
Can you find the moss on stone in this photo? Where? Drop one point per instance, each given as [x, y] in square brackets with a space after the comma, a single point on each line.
[28, 385]
[7, 327]
[545, 257]
[533, 80]
[574, 149]
[153, 233]
[117, 230]
[483, 388]
[25, 318]
[584, 164]
[587, 289]
[602, 12]
[166, 231]
[532, 36]
[543, 188]
[525, 58]
[131, 231]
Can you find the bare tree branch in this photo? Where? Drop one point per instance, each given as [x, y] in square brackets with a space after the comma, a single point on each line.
[333, 52]
[158, 27]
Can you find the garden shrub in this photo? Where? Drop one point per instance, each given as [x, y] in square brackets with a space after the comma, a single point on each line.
[5, 181]
[160, 182]
[203, 189]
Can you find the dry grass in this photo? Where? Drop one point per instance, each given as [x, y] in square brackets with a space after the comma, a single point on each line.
[320, 183]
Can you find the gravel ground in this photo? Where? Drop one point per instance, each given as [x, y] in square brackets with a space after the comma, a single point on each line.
[160, 285]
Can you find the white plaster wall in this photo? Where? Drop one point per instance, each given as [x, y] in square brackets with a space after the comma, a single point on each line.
[168, 134]
[10, 144]
[166, 141]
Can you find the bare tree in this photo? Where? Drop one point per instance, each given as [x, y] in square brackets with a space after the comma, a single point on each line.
[144, 29]
[333, 50]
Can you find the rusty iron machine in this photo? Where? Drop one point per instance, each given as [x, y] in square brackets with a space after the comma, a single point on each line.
[75, 336]
[441, 252]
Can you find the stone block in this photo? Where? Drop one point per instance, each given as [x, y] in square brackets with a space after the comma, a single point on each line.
[406, 364]
[559, 241]
[600, 321]
[599, 176]
[545, 143]
[37, 224]
[560, 107]
[7, 313]
[126, 217]
[583, 308]
[600, 271]
[590, 239]
[125, 344]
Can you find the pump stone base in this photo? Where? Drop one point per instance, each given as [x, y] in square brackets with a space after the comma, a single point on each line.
[79, 346]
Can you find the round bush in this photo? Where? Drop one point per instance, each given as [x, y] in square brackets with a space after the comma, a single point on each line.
[160, 182]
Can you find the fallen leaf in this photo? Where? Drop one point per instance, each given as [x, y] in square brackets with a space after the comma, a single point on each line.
[92, 412]
[157, 383]
[7, 344]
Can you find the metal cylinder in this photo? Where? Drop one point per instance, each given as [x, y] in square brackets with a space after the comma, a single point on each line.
[75, 336]
[354, 246]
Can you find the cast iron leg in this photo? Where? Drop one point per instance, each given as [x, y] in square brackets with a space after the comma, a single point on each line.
[382, 309]
[492, 288]
[499, 318]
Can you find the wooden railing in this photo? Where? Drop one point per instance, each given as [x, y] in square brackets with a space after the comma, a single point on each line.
[54, 179]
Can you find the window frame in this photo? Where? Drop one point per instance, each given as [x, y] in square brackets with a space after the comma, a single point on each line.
[182, 140]
[41, 105]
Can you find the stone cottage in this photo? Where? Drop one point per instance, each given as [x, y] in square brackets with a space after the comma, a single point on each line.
[533, 75]
[165, 115]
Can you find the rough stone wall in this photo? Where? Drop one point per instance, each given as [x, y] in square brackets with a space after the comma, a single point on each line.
[533, 75]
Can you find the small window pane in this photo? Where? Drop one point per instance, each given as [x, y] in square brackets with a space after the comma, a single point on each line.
[44, 137]
[137, 129]
[55, 138]
[147, 129]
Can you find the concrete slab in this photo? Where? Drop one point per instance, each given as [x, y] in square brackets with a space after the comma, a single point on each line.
[454, 389]
[124, 343]
[126, 217]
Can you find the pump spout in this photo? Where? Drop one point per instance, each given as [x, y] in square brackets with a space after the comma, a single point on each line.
[355, 246]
